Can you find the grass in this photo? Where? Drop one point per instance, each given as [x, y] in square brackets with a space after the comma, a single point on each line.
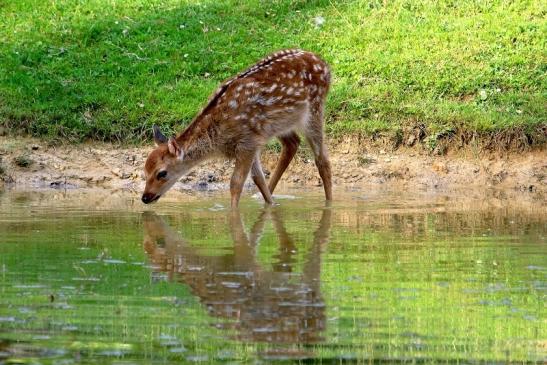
[108, 70]
[23, 160]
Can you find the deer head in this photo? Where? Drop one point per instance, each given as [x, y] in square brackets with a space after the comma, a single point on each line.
[163, 167]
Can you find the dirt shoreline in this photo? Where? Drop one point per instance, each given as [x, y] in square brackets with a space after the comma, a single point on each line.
[35, 164]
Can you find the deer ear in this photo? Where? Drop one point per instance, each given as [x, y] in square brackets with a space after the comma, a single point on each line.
[159, 137]
[175, 149]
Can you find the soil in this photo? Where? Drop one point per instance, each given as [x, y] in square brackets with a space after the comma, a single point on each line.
[35, 164]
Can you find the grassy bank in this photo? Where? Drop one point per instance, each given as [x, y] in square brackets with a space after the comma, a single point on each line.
[108, 70]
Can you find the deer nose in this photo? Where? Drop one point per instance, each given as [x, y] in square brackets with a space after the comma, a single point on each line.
[148, 198]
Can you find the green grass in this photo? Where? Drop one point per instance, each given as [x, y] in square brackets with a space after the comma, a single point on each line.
[108, 70]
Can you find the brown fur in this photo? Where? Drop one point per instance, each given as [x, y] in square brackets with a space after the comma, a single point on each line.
[278, 97]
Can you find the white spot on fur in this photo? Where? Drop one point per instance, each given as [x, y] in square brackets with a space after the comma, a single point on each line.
[241, 116]
[259, 100]
[233, 104]
[289, 91]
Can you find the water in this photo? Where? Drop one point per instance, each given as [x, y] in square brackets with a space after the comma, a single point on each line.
[95, 277]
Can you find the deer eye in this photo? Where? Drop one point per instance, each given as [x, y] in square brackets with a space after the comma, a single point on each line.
[161, 175]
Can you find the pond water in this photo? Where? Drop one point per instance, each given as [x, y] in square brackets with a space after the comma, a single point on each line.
[95, 277]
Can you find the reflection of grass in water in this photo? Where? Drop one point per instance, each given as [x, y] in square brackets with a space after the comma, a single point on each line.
[438, 300]
[439, 286]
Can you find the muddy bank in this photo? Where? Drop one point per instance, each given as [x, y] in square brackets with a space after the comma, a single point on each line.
[31, 163]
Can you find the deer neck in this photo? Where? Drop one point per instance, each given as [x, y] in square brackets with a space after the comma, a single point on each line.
[197, 140]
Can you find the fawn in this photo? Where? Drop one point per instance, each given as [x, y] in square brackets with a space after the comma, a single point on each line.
[280, 96]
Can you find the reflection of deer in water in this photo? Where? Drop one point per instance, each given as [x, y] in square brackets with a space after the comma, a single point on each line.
[276, 306]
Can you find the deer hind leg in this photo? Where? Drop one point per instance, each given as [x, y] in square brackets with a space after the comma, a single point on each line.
[290, 144]
[259, 180]
[314, 136]
[241, 171]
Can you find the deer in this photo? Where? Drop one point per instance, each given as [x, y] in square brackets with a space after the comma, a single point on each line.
[281, 96]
